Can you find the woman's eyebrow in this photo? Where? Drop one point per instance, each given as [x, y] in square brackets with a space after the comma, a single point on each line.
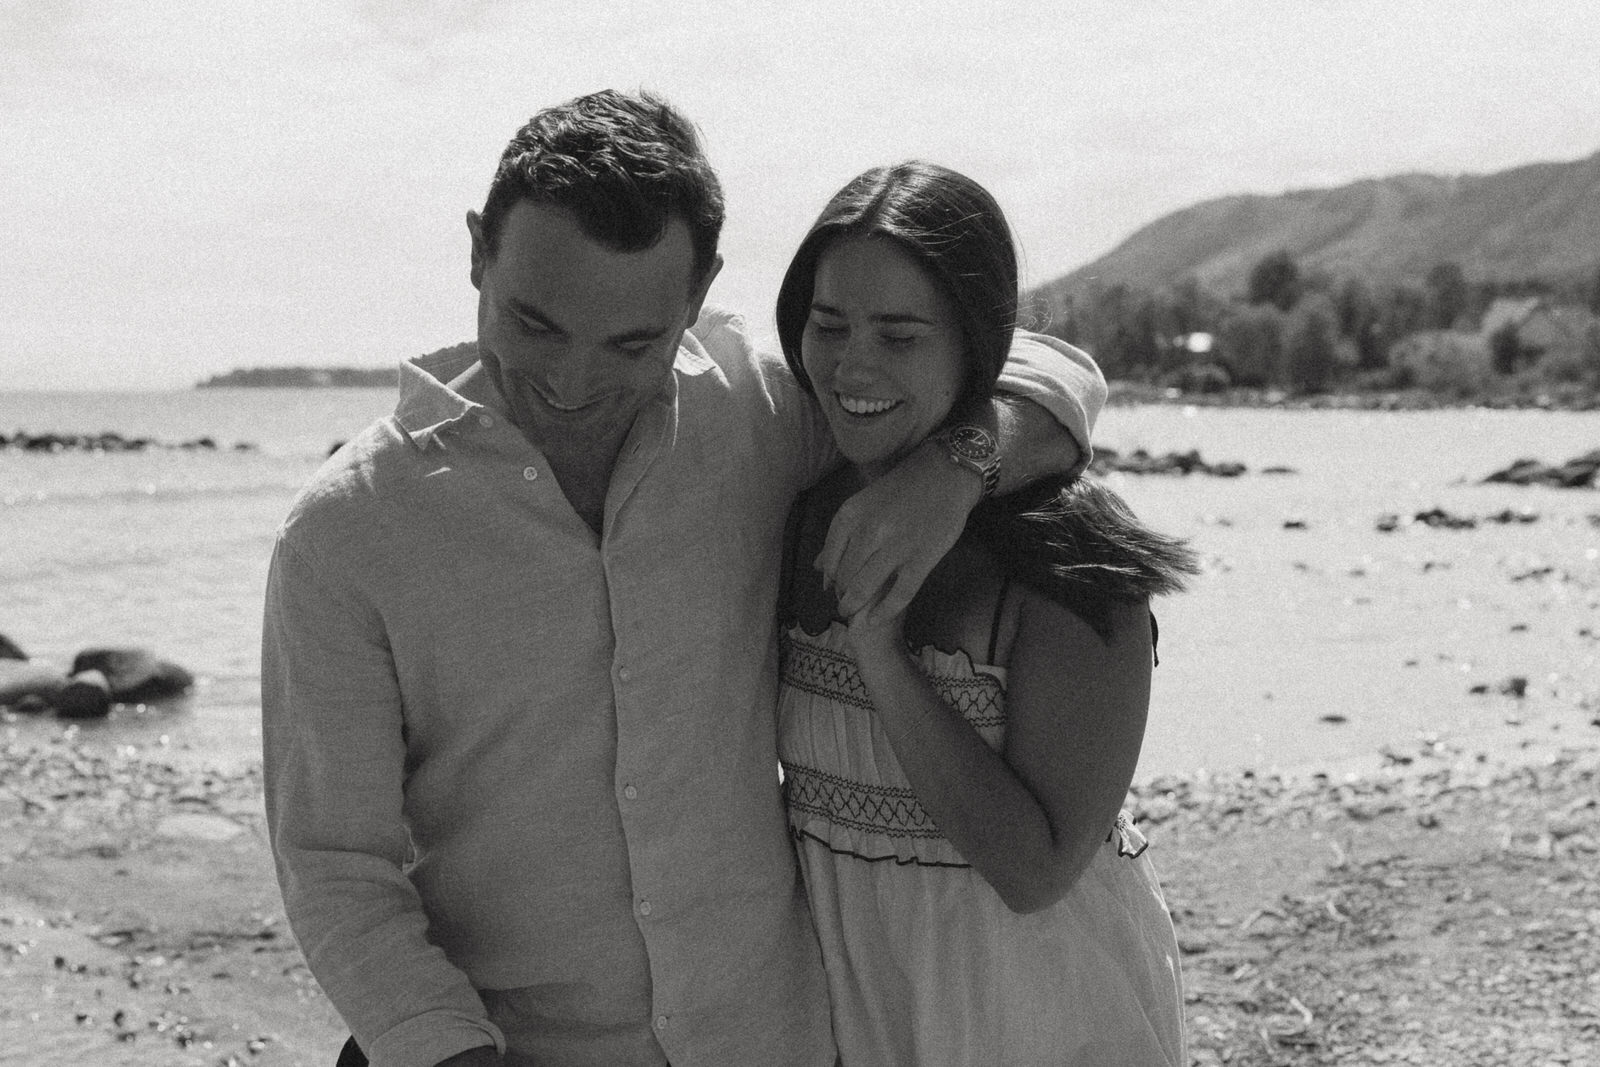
[890, 318]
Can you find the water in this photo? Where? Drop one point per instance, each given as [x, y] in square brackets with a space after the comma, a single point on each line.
[168, 550]
[164, 549]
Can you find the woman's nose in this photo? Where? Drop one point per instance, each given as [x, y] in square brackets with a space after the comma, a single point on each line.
[857, 358]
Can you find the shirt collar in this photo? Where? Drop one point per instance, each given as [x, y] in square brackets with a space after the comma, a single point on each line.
[442, 388]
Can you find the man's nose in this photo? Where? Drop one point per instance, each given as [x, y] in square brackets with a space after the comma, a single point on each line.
[570, 377]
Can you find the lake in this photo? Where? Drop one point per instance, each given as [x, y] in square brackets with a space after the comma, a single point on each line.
[1312, 637]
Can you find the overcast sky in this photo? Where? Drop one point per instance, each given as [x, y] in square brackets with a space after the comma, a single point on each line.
[189, 186]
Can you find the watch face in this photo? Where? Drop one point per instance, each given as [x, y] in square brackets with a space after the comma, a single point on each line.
[972, 442]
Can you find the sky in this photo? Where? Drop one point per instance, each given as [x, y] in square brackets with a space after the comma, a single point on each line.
[188, 186]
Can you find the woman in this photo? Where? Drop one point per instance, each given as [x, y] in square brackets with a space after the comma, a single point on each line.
[955, 774]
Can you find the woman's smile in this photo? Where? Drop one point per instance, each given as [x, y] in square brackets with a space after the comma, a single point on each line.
[865, 406]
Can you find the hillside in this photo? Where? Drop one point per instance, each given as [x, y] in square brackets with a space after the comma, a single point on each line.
[1541, 220]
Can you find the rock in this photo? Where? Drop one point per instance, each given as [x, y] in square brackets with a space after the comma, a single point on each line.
[135, 674]
[1141, 462]
[1438, 517]
[1515, 686]
[31, 704]
[1521, 472]
[20, 679]
[9, 650]
[87, 696]
[1575, 473]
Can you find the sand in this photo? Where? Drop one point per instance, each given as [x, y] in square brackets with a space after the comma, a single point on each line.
[1445, 910]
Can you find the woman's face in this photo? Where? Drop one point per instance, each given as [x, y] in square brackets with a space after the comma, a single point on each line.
[882, 348]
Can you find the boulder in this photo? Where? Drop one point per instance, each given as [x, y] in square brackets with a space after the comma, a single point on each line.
[9, 650]
[135, 674]
[87, 696]
[20, 679]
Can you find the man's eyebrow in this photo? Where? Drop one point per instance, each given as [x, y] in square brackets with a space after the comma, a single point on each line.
[644, 333]
[528, 311]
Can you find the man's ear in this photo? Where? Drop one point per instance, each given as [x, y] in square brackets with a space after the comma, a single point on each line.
[480, 247]
[698, 297]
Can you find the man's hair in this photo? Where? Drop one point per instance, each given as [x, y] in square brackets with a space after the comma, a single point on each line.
[951, 226]
[624, 164]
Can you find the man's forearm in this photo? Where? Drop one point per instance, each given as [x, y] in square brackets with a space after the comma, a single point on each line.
[1032, 443]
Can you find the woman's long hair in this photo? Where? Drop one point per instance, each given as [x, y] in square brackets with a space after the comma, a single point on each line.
[1075, 541]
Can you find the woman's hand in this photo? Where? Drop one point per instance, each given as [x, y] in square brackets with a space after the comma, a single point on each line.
[878, 630]
[887, 537]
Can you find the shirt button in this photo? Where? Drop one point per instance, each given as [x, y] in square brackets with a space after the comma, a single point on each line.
[661, 1022]
[530, 473]
[622, 672]
[630, 792]
[485, 421]
[645, 907]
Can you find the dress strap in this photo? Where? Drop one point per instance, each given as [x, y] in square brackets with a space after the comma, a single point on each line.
[787, 606]
[994, 625]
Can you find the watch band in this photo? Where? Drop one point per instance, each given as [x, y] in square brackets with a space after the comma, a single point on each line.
[974, 448]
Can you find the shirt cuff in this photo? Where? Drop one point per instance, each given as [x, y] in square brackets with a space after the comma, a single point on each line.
[1062, 379]
[424, 1040]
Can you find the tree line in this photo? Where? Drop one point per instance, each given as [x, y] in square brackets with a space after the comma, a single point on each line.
[1310, 331]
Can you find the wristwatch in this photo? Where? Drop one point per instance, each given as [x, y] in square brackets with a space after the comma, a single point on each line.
[974, 448]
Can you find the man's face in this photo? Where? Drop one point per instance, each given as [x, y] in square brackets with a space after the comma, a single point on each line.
[578, 338]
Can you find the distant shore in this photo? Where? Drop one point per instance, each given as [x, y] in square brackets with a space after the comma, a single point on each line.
[1129, 393]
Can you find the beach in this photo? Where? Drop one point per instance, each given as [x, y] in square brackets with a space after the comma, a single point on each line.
[1444, 910]
[1369, 778]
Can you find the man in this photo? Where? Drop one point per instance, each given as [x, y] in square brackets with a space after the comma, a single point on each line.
[518, 667]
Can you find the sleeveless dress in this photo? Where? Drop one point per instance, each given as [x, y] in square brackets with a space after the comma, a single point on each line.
[926, 966]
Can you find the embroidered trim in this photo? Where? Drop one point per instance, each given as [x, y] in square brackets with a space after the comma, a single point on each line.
[898, 861]
[831, 675]
[823, 672]
[878, 809]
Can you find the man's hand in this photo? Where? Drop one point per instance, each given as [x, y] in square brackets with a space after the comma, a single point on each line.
[887, 538]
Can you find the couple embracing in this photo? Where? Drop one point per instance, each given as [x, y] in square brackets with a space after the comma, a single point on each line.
[536, 645]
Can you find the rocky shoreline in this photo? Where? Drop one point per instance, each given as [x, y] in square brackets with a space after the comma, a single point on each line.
[1129, 392]
[51, 443]
[1443, 910]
